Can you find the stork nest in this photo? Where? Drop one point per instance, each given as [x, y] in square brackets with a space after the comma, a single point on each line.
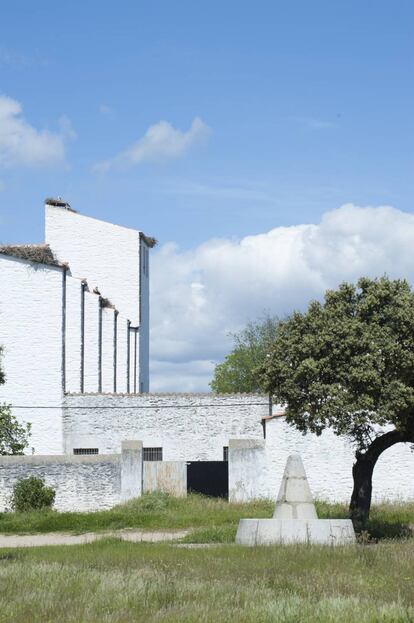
[38, 253]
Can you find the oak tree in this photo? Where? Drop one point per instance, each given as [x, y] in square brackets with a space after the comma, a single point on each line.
[347, 364]
[238, 372]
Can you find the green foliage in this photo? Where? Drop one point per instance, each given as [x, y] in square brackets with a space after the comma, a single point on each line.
[347, 363]
[13, 436]
[31, 494]
[237, 373]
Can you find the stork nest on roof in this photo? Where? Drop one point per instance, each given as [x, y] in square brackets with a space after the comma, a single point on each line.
[38, 253]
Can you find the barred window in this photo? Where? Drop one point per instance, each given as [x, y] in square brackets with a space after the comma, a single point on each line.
[152, 454]
[85, 450]
[225, 453]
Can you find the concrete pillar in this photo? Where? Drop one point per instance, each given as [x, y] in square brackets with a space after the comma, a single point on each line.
[247, 469]
[131, 470]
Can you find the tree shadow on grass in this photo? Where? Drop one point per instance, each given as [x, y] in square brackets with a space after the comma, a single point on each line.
[387, 520]
[382, 529]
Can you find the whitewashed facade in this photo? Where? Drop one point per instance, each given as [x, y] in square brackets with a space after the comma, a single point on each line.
[198, 427]
[74, 326]
[74, 316]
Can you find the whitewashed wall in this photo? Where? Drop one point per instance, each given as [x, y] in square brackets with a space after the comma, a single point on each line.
[73, 333]
[107, 350]
[82, 483]
[106, 255]
[192, 427]
[121, 366]
[187, 426]
[328, 461]
[144, 381]
[114, 259]
[91, 370]
[31, 333]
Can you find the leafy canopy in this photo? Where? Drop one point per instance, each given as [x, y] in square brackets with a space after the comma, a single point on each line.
[238, 372]
[13, 436]
[347, 363]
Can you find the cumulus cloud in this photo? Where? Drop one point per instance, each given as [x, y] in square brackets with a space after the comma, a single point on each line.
[161, 142]
[23, 145]
[199, 296]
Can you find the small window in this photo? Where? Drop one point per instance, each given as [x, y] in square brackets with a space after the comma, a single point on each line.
[85, 450]
[225, 453]
[152, 454]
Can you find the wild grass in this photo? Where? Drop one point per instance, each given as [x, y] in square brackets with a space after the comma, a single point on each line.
[211, 519]
[113, 581]
[387, 519]
[155, 511]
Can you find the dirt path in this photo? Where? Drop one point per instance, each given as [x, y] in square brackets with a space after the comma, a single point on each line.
[60, 538]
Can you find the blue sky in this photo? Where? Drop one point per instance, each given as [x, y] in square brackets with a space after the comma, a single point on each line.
[299, 108]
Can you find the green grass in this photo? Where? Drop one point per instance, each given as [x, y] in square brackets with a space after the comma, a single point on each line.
[387, 520]
[211, 519]
[150, 512]
[117, 582]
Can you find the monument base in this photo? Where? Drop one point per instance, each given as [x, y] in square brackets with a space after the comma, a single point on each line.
[287, 531]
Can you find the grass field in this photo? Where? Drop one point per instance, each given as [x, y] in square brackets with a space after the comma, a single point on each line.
[211, 519]
[115, 581]
[112, 581]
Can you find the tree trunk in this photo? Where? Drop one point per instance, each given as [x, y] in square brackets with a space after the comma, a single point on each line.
[362, 471]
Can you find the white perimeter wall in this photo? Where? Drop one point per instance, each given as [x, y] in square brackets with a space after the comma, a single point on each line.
[188, 427]
[82, 483]
[31, 334]
[192, 427]
[328, 461]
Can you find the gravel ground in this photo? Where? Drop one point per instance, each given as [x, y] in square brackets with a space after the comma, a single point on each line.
[60, 538]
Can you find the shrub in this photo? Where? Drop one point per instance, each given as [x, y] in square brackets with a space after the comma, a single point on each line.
[30, 494]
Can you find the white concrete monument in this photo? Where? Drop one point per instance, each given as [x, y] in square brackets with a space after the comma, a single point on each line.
[295, 519]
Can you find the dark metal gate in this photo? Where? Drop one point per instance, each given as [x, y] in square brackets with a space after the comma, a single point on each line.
[209, 478]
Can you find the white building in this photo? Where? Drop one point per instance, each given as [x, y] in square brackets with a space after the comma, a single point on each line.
[74, 326]
[74, 317]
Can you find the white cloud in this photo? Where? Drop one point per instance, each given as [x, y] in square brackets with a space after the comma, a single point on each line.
[104, 109]
[199, 296]
[23, 145]
[312, 123]
[161, 142]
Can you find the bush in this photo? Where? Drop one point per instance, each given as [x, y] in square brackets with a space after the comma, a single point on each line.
[30, 494]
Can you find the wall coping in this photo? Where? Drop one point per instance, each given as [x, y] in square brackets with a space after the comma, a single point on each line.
[166, 395]
[46, 459]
